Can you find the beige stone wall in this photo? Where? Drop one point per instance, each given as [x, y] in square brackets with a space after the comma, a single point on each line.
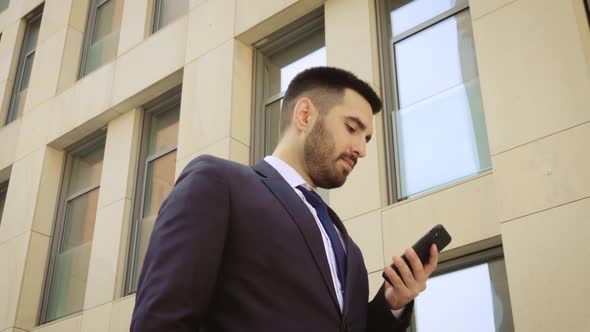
[534, 64]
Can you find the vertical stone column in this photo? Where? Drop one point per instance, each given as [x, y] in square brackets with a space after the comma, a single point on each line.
[361, 193]
[215, 108]
[25, 235]
[533, 63]
[49, 52]
[108, 257]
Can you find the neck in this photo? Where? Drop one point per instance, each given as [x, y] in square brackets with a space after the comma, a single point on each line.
[293, 155]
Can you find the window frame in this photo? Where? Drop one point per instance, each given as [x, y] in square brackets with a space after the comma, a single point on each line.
[33, 17]
[89, 34]
[293, 32]
[93, 141]
[157, 15]
[389, 90]
[162, 104]
[474, 256]
[3, 191]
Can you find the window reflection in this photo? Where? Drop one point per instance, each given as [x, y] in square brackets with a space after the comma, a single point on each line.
[169, 10]
[471, 299]
[316, 58]
[71, 256]
[408, 14]
[441, 133]
[157, 177]
[164, 130]
[160, 177]
[280, 69]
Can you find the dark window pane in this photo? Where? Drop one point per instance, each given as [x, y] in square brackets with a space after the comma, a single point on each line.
[68, 283]
[164, 130]
[28, 66]
[32, 35]
[2, 202]
[23, 72]
[145, 228]
[104, 40]
[170, 10]
[104, 20]
[4, 4]
[86, 170]
[79, 220]
[159, 182]
[407, 14]
[272, 115]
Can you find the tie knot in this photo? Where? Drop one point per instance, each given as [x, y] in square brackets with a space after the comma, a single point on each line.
[312, 197]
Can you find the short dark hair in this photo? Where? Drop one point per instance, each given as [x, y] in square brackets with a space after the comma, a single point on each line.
[321, 85]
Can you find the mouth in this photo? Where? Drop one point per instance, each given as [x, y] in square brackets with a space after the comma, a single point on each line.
[349, 163]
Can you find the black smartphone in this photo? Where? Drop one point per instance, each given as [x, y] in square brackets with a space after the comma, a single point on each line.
[437, 235]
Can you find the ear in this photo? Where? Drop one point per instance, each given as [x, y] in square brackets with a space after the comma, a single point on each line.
[302, 114]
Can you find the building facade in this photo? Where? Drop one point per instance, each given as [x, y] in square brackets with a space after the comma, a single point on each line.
[485, 129]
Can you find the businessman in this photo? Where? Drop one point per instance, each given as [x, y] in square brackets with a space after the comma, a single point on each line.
[240, 248]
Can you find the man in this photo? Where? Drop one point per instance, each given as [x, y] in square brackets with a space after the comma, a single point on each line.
[239, 248]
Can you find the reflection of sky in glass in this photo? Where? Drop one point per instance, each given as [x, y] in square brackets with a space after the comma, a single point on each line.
[417, 12]
[440, 124]
[457, 301]
[432, 61]
[437, 143]
[316, 58]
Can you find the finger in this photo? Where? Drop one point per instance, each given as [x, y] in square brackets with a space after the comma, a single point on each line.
[417, 268]
[432, 261]
[405, 273]
[395, 279]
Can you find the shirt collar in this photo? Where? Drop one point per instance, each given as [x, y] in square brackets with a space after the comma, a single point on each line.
[287, 172]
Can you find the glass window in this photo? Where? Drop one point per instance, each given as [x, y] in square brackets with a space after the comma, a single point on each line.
[3, 190]
[102, 36]
[439, 133]
[478, 293]
[279, 59]
[70, 255]
[155, 178]
[166, 11]
[291, 51]
[4, 4]
[25, 65]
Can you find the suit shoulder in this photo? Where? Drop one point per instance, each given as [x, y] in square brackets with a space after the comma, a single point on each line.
[212, 165]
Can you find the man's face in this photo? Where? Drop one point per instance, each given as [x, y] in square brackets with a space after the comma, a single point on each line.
[336, 141]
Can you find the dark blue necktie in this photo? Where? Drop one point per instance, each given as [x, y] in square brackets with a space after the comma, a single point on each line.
[322, 211]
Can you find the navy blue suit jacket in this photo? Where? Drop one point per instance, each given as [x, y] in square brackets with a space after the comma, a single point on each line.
[235, 249]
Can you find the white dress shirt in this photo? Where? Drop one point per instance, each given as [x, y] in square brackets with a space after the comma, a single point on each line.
[294, 179]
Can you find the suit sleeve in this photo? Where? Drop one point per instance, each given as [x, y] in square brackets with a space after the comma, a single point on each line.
[184, 253]
[381, 319]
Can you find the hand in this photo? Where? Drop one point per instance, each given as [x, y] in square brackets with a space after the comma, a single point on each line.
[408, 286]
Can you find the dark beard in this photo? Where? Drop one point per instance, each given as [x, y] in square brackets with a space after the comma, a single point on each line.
[317, 149]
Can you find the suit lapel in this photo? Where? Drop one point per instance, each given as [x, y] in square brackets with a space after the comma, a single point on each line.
[302, 218]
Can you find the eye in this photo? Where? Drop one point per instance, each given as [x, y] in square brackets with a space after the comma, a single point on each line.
[350, 129]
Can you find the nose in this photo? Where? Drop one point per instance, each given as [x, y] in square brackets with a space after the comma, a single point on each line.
[360, 148]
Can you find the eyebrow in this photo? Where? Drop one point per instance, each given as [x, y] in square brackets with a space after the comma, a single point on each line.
[360, 124]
